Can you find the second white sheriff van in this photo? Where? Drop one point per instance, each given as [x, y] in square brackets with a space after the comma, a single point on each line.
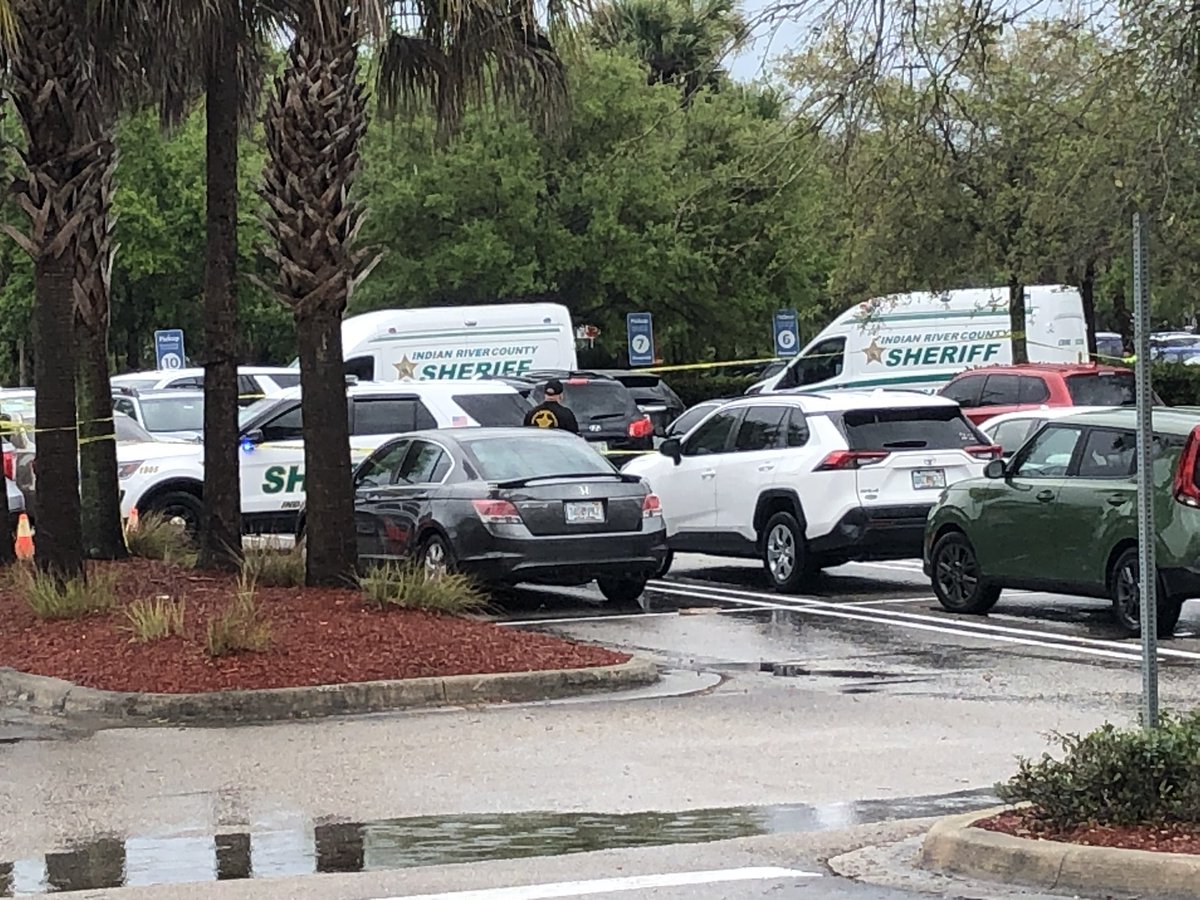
[458, 342]
[922, 340]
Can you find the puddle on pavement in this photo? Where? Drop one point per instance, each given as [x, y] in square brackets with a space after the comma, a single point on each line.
[335, 846]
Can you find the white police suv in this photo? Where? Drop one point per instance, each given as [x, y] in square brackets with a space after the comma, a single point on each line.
[169, 478]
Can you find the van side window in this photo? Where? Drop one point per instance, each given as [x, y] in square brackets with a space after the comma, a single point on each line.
[824, 361]
[361, 367]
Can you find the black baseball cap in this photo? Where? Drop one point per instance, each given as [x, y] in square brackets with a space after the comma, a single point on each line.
[554, 386]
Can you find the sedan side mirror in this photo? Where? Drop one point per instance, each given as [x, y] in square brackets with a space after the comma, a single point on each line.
[671, 447]
[253, 437]
[997, 468]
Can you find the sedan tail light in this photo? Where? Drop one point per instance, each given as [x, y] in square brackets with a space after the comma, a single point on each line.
[651, 507]
[497, 512]
[1185, 489]
[991, 451]
[10, 465]
[640, 428]
[850, 459]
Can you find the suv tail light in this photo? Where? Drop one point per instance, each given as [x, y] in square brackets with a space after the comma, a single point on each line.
[1185, 489]
[640, 428]
[497, 512]
[651, 507]
[991, 451]
[10, 466]
[850, 459]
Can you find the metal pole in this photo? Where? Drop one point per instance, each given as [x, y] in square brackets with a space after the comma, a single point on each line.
[1148, 587]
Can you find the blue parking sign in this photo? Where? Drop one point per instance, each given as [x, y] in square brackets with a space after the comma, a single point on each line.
[787, 333]
[640, 326]
[168, 348]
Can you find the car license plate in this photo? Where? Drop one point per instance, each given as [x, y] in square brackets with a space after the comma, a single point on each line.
[582, 511]
[928, 479]
[602, 446]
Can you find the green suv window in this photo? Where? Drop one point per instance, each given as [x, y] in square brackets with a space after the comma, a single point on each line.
[1049, 455]
[1108, 454]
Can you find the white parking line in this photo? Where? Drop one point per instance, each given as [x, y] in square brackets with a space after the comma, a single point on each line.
[616, 885]
[597, 617]
[981, 626]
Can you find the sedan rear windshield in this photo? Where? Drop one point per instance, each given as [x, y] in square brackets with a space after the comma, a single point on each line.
[504, 459]
[924, 428]
[1102, 389]
[594, 399]
[493, 410]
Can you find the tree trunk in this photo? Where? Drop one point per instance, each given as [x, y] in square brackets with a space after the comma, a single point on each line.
[22, 363]
[1124, 318]
[103, 537]
[330, 543]
[1016, 319]
[1087, 292]
[59, 544]
[314, 127]
[221, 527]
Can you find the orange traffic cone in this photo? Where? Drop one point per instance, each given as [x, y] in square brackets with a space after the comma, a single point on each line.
[24, 545]
[132, 524]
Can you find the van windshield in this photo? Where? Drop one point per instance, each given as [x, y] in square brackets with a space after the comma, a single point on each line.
[822, 362]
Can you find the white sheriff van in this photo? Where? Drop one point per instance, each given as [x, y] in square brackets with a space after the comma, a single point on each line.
[169, 478]
[458, 342]
[922, 340]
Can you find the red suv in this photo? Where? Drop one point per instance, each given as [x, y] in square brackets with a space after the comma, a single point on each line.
[986, 392]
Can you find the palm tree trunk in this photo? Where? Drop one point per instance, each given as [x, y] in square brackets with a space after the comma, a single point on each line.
[103, 537]
[314, 127]
[59, 545]
[221, 529]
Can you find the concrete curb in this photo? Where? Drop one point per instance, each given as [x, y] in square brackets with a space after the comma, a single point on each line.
[953, 846]
[40, 694]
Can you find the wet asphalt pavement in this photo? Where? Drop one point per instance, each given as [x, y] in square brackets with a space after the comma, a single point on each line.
[783, 727]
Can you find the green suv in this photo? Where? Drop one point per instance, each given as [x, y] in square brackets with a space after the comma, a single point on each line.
[1061, 516]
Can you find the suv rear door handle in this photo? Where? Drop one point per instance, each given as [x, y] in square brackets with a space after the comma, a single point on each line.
[1117, 500]
[1045, 496]
[766, 467]
[708, 473]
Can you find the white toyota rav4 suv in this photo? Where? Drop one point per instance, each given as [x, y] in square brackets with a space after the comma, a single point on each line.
[805, 481]
[169, 478]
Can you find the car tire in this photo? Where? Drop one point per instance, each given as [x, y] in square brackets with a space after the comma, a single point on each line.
[435, 556]
[624, 592]
[785, 553]
[182, 505]
[1125, 593]
[957, 580]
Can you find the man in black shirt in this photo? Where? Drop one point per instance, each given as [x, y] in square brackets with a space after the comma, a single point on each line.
[551, 413]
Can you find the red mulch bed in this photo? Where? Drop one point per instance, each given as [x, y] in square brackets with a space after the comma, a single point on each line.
[318, 636]
[1176, 838]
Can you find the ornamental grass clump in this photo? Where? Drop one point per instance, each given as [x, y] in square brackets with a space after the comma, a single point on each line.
[274, 565]
[410, 587]
[157, 537]
[1115, 776]
[241, 627]
[152, 620]
[50, 598]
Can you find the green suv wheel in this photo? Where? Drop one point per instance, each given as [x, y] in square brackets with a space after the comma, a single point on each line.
[1124, 588]
[957, 581]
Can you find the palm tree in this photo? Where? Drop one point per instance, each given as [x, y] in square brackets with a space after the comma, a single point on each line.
[213, 47]
[681, 42]
[69, 157]
[439, 53]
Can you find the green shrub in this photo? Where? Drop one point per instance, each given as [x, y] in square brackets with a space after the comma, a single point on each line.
[241, 626]
[1115, 776]
[50, 598]
[157, 537]
[408, 587]
[151, 620]
[1177, 384]
[274, 565]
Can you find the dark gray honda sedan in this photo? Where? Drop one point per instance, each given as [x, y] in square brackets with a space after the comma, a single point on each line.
[508, 505]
